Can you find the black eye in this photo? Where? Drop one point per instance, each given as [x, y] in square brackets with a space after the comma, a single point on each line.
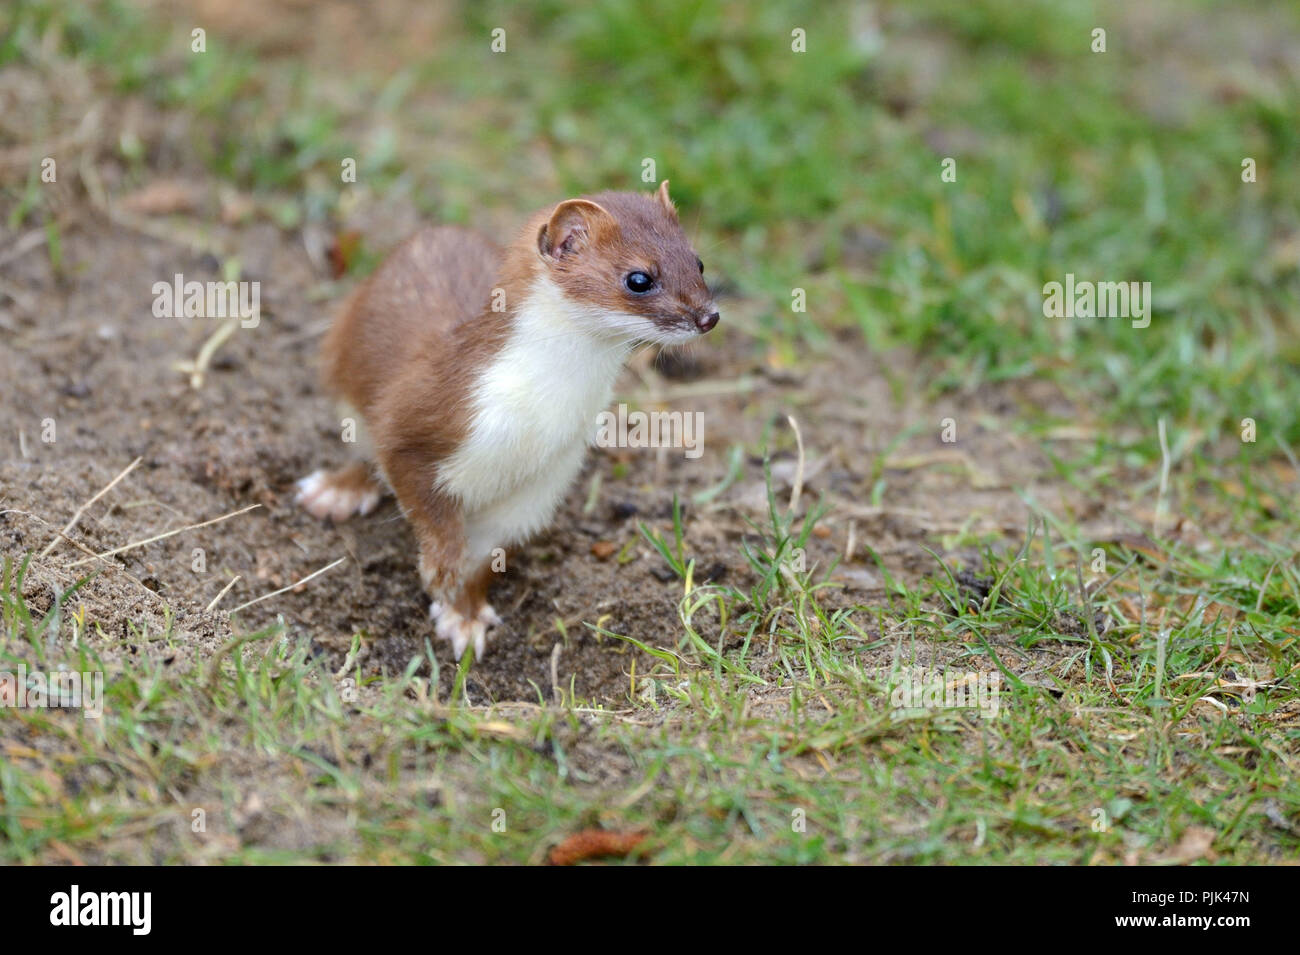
[638, 283]
[701, 265]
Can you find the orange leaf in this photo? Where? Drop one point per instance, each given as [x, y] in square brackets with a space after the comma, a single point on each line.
[596, 844]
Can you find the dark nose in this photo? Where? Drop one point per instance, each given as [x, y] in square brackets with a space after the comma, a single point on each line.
[705, 322]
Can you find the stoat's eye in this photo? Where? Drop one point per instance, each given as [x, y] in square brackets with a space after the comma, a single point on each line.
[638, 283]
[701, 265]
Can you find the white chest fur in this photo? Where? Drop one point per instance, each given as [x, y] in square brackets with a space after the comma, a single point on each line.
[533, 412]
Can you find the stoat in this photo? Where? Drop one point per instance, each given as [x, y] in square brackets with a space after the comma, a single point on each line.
[479, 372]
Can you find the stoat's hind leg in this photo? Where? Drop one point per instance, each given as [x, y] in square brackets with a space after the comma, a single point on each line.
[339, 494]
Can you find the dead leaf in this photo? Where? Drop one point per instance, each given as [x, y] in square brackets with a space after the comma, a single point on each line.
[596, 844]
[1196, 843]
[343, 252]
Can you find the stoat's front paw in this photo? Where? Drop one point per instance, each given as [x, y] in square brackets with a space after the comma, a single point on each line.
[328, 494]
[451, 625]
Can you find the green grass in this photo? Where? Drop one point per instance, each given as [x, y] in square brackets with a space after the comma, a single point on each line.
[775, 699]
[757, 714]
[782, 153]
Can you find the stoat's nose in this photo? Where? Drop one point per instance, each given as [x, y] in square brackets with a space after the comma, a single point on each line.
[705, 322]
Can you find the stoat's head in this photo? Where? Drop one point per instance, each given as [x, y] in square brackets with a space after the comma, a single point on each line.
[623, 261]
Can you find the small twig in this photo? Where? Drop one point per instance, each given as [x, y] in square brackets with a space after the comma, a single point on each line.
[55, 569]
[1091, 617]
[224, 590]
[1164, 480]
[1162, 643]
[557, 695]
[276, 593]
[350, 659]
[82, 510]
[198, 368]
[158, 537]
[797, 489]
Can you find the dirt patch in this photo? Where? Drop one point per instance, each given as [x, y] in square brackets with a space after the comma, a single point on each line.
[91, 379]
[94, 370]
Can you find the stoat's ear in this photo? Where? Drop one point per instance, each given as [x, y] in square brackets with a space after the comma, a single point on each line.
[573, 225]
[662, 196]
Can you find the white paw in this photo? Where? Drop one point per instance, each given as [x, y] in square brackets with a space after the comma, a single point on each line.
[321, 497]
[461, 630]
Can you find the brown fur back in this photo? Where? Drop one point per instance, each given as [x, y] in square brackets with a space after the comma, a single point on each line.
[431, 284]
